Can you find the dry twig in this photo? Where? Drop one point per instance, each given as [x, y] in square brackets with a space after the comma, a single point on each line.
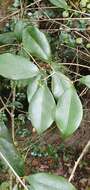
[79, 159]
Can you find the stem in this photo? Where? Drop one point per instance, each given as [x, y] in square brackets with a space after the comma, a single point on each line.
[16, 175]
[21, 6]
[11, 180]
[12, 111]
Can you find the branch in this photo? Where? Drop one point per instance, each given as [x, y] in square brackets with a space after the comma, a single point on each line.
[79, 159]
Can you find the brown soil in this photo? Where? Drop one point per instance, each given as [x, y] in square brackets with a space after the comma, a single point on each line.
[4, 5]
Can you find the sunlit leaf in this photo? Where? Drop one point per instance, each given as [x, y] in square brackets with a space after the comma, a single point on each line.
[8, 150]
[68, 112]
[86, 80]
[45, 181]
[41, 109]
[60, 83]
[35, 42]
[16, 67]
[59, 3]
[32, 87]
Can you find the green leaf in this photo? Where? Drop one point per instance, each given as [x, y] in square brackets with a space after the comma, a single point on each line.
[19, 27]
[86, 80]
[60, 83]
[35, 42]
[41, 109]
[60, 3]
[16, 67]
[4, 186]
[16, 3]
[15, 187]
[7, 38]
[8, 150]
[23, 83]
[32, 87]
[68, 112]
[45, 181]
[30, 188]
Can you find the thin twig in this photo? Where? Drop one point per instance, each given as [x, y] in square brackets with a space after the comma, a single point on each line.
[12, 111]
[53, 7]
[63, 19]
[65, 29]
[4, 106]
[75, 64]
[49, 76]
[21, 7]
[18, 11]
[32, 58]
[81, 35]
[83, 92]
[79, 159]
[75, 49]
[16, 175]
[11, 180]
[6, 45]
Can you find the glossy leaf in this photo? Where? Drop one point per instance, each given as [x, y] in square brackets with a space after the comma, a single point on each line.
[86, 80]
[35, 42]
[16, 67]
[59, 3]
[8, 150]
[68, 112]
[60, 83]
[45, 181]
[41, 109]
[32, 87]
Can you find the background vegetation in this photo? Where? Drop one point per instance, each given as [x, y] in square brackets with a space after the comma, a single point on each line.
[61, 29]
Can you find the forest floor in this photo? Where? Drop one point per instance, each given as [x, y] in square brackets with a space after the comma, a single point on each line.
[49, 154]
